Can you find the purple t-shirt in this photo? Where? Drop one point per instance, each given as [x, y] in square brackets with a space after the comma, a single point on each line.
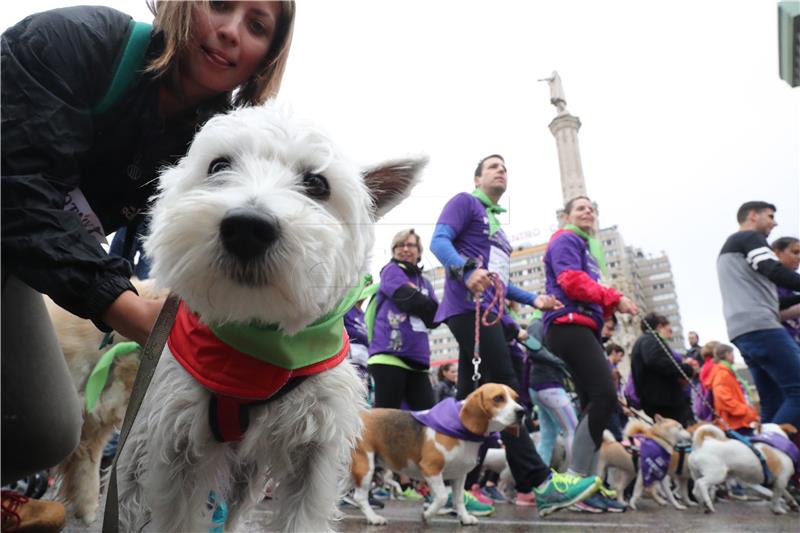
[444, 418]
[466, 215]
[792, 325]
[568, 251]
[397, 332]
[355, 326]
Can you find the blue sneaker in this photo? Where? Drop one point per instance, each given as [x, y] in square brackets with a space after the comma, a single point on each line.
[494, 494]
[380, 493]
[564, 490]
[474, 507]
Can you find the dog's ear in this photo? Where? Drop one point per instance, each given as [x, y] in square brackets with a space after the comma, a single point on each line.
[391, 182]
[658, 418]
[473, 413]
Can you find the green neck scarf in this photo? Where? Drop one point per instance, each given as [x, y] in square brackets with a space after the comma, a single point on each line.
[492, 210]
[595, 247]
[317, 342]
[97, 379]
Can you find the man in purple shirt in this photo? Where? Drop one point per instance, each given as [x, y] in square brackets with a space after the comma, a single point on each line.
[470, 243]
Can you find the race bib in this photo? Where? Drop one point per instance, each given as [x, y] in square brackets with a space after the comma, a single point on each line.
[76, 203]
[417, 324]
[499, 263]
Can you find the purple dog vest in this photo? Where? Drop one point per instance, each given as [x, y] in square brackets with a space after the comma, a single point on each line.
[443, 418]
[779, 442]
[653, 459]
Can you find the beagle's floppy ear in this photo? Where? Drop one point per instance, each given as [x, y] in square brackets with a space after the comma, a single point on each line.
[473, 413]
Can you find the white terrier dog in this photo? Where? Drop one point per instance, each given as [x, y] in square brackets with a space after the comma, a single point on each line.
[262, 229]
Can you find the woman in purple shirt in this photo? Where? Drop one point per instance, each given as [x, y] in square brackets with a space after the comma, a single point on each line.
[574, 263]
[399, 354]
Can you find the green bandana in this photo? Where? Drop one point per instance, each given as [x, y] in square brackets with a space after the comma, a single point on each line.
[595, 247]
[315, 343]
[97, 379]
[492, 210]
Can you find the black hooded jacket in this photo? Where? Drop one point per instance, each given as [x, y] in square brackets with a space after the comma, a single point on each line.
[56, 66]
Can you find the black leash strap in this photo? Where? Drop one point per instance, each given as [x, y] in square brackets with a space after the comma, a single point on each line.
[150, 356]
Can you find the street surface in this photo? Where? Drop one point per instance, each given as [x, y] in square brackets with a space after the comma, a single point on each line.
[731, 516]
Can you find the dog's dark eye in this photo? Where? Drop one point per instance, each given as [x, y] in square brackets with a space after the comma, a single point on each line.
[498, 399]
[220, 164]
[316, 186]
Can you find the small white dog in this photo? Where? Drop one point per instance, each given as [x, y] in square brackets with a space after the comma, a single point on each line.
[263, 230]
[715, 458]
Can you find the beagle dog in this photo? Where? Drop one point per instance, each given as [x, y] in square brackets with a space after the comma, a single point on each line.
[435, 445]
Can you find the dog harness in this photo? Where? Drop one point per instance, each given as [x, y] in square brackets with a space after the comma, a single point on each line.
[653, 458]
[444, 418]
[769, 479]
[779, 442]
[683, 449]
[244, 365]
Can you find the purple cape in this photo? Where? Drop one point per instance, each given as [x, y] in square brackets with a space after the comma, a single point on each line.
[443, 418]
[779, 442]
[653, 458]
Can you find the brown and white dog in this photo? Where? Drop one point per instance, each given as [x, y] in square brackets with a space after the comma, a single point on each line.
[80, 342]
[716, 458]
[617, 462]
[665, 433]
[395, 440]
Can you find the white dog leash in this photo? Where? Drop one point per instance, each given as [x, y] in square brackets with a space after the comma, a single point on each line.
[150, 356]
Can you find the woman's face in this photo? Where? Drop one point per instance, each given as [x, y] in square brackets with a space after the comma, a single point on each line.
[582, 214]
[451, 374]
[665, 331]
[790, 256]
[408, 250]
[229, 45]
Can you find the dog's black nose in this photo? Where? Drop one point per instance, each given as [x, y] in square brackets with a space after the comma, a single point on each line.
[246, 233]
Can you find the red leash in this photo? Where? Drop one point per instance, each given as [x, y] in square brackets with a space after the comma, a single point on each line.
[498, 302]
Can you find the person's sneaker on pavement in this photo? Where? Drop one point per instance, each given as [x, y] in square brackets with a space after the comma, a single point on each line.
[494, 494]
[380, 493]
[20, 513]
[564, 490]
[525, 499]
[583, 507]
[612, 505]
[474, 507]
[374, 502]
[478, 495]
[411, 495]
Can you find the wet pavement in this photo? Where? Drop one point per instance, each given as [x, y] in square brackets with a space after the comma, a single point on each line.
[731, 516]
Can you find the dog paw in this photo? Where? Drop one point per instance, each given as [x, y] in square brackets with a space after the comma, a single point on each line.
[680, 507]
[468, 520]
[778, 509]
[690, 503]
[377, 520]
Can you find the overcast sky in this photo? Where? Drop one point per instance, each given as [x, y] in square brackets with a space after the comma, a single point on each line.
[684, 114]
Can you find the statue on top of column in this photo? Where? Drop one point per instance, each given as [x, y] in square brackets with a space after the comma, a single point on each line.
[557, 97]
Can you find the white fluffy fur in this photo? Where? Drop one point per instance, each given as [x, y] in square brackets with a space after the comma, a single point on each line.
[302, 440]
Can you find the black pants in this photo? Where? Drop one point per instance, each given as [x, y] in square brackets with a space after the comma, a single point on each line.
[394, 384]
[41, 411]
[497, 367]
[580, 348]
[681, 413]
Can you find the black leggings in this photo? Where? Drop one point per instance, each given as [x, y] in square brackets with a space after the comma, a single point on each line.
[394, 384]
[580, 348]
[496, 367]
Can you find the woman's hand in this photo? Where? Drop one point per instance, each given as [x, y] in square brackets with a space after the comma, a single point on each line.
[626, 305]
[546, 302]
[522, 336]
[479, 281]
[133, 316]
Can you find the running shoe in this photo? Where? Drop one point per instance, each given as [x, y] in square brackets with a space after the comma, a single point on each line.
[474, 507]
[476, 493]
[564, 490]
[411, 495]
[380, 493]
[494, 494]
